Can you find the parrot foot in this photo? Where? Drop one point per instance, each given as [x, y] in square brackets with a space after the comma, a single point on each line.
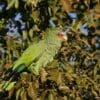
[33, 70]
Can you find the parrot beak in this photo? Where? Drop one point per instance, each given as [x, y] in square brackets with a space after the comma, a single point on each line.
[62, 36]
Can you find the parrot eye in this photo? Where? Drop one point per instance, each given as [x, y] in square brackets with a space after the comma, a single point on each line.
[60, 35]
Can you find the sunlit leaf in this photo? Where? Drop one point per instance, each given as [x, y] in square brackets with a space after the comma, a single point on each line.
[10, 4]
[51, 97]
[10, 86]
[66, 5]
[16, 4]
[32, 91]
[23, 95]
[18, 94]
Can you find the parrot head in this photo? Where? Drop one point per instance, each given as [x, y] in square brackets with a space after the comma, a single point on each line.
[58, 34]
[62, 36]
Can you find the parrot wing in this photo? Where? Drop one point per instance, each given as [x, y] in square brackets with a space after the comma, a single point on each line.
[29, 55]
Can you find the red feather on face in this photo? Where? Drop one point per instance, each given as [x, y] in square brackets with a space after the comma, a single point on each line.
[62, 36]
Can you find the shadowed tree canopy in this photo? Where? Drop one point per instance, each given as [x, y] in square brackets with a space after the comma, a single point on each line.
[74, 72]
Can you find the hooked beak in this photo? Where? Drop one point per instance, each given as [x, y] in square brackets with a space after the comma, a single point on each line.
[62, 36]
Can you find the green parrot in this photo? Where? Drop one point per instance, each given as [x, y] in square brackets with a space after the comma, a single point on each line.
[39, 54]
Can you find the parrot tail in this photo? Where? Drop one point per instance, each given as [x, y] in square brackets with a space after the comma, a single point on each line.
[11, 76]
[15, 72]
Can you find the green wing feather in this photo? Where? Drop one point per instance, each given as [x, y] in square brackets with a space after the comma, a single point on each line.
[29, 55]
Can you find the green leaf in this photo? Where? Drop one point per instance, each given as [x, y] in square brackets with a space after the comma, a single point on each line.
[51, 97]
[23, 94]
[18, 94]
[10, 86]
[10, 4]
[31, 33]
[24, 35]
[16, 4]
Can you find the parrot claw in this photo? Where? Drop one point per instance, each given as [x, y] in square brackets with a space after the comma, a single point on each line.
[34, 71]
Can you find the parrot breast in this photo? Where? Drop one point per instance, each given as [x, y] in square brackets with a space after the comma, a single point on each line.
[46, 57]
